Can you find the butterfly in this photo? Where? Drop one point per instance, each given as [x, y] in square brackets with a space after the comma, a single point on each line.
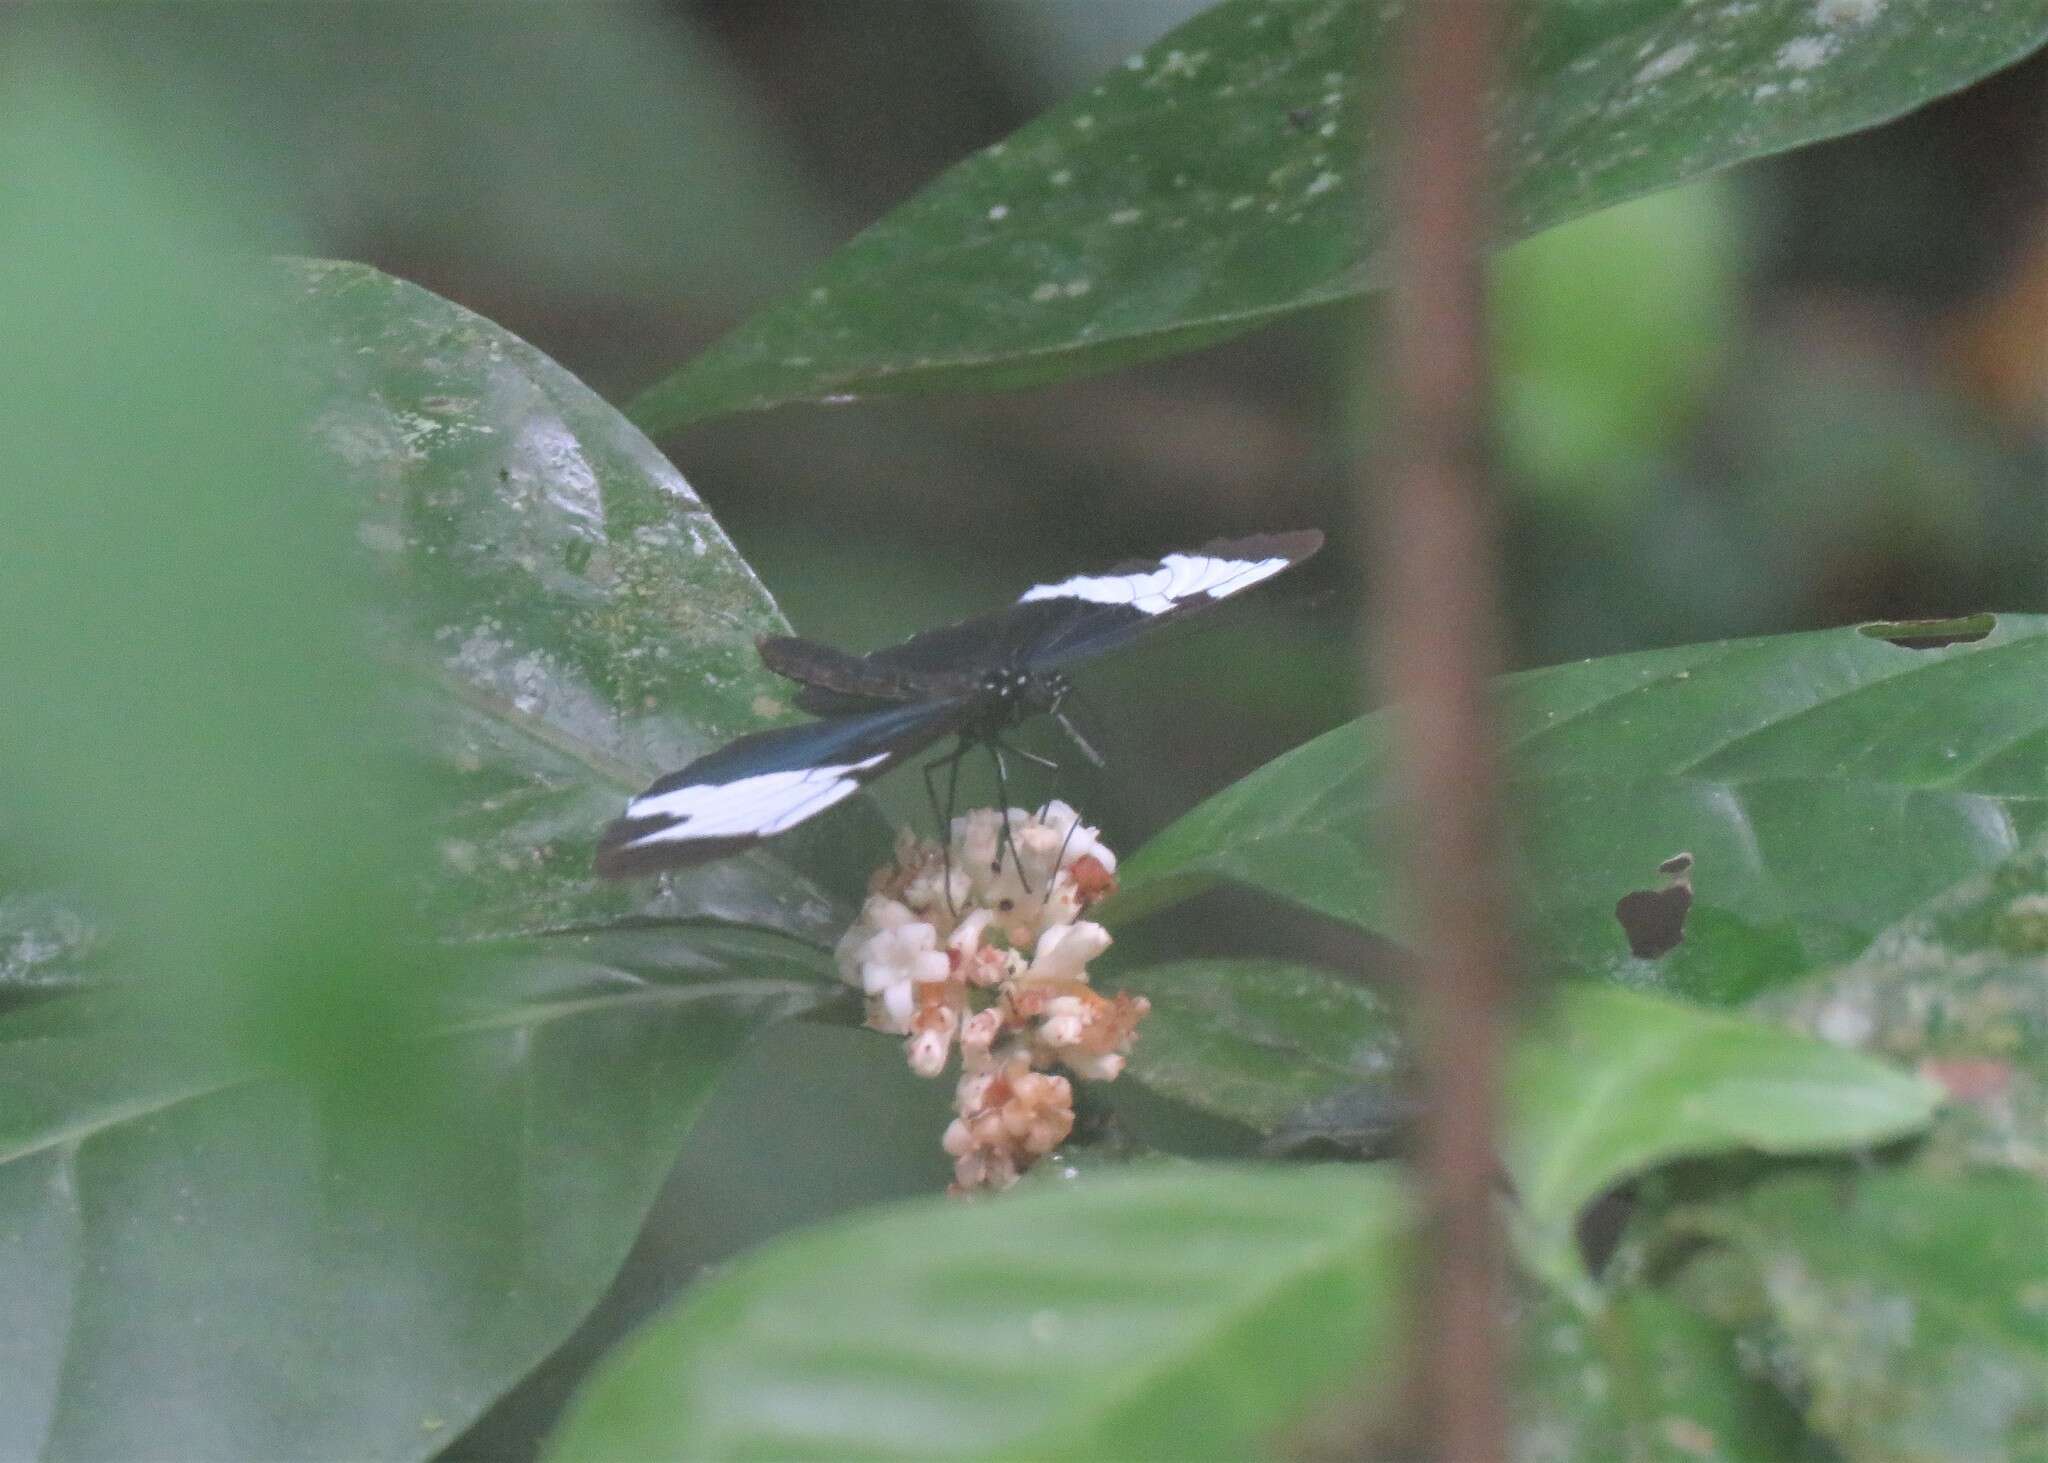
[972, 681]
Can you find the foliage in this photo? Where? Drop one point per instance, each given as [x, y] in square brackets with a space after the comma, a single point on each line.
[1235, 172]
[1168, 1314]
[285, 1113]
[333, 1088]
[1773, 762]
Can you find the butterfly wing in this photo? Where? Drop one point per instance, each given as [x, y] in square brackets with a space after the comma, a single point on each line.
[764, 784]
[1089, 614]
[835, 682]
[1051, 625]
[888, 706]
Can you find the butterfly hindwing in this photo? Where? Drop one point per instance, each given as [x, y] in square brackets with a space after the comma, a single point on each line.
[764, 784]
[835, 681]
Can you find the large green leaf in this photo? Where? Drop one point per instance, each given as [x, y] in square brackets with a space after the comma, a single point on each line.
[306, 1189]
[204, 1258]
[1908, 1308]
[1171, 1314]
[1614, 1082]
[1235, 171]
[1824, 782]
[589, 622]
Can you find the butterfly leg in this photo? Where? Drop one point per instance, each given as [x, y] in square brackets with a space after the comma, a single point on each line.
[1059, 714]
[951, 762]
[1004, 839]
[1060, 859]
[1033, 758]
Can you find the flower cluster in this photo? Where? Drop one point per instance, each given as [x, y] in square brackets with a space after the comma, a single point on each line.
[980, 941]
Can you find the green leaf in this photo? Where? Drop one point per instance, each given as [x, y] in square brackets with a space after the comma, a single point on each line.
[1644, 1378]
[1235, 171]
[1165, 1314]
[1256, 1040]
[1614, 1082]
[588, 622]
[302, 1184]
[209, 1258]
[1823, 782]
[1909, 1307]
[1960, 990]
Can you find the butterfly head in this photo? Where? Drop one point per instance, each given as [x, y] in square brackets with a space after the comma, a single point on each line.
[1014, 694]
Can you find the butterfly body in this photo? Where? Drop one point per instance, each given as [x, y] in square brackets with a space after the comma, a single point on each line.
[974, 680]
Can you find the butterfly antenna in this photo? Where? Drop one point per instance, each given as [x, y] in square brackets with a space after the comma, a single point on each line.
[1059, 714]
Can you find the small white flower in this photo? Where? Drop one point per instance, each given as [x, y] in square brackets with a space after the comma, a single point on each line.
[884, 913]
[1062, 906]
[976, 1037]
[928, 1051]
[1038, 849]
[878, 914]
[898, 1003]
[976, 836]
[1066, 1020]
[894, 960]
[900, 955]
[1082, 842]
[933, 891]
[1094, 1066]
[967, 935]
[1064, 951]
[846, 954]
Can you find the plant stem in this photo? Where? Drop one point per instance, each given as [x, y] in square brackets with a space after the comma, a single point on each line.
[1438, 631]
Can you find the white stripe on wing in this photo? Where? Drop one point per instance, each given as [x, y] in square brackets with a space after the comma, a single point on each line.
[758, 806]
[1178, 578]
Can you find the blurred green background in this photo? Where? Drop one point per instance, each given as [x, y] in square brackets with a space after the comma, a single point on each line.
[1812, 392]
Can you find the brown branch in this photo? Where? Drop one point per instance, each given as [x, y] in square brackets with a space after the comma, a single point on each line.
[1439, 649]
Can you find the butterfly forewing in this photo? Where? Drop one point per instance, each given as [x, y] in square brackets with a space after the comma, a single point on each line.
[1055, 624]
[1107, 610]
[764, 784]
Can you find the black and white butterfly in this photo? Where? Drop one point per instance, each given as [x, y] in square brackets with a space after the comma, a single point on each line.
[972, 681]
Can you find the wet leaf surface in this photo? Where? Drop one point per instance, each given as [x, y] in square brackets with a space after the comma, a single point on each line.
[1235, 171]
[47, 947]
[589, 623]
